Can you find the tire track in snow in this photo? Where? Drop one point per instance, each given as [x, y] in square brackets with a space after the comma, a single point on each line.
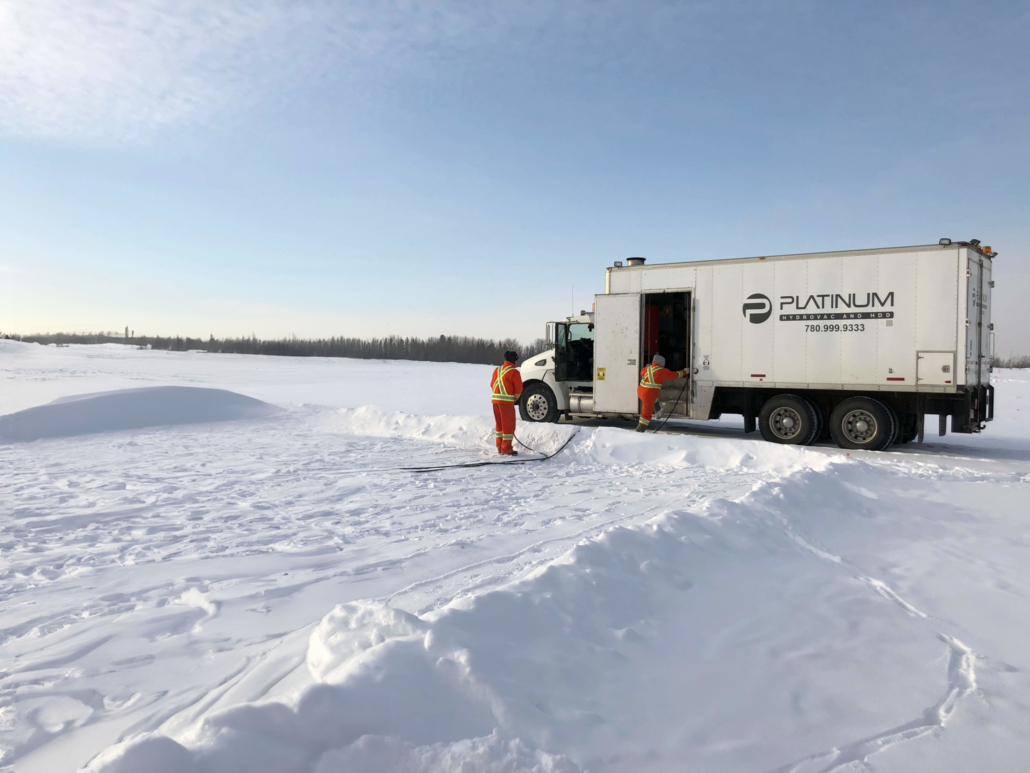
[961, 682]
[442, 598]
[961, 679]
[702, 490]
[888, 593]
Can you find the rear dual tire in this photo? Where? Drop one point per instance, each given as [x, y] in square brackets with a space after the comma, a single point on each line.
[858, 423]
[864, 423]
[789, 420]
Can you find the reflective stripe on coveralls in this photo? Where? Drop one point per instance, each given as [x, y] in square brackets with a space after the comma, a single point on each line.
[648, 381]
[501, 394]
[652, 378]
[504, 422]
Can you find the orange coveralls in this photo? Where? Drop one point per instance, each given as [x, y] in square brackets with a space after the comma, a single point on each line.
[506, 384]
[651, 379]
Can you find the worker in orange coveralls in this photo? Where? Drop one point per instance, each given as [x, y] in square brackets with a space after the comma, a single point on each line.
[651, 379]
[506, 384]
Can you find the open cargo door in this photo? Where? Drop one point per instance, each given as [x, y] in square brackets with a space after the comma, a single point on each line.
[616, 352]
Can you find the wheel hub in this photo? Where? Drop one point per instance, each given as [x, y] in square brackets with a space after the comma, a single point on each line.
[859, 426]
[785, 423]
[536, 407]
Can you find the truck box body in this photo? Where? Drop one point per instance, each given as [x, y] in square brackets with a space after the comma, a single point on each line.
[910, 319]
[833, 319]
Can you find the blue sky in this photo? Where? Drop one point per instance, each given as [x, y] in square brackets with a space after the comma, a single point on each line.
[346, 168]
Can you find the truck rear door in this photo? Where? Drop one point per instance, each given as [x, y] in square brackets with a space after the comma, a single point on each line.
[616, 352]
[986, 336]
[978, 319]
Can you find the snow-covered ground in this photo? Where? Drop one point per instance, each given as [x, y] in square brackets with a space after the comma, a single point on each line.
[268, 591]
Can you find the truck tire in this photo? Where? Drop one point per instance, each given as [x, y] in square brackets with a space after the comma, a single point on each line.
[789, 420]
[820, 423]
[538, 404]
[863, 423]
[895, 428]
[909, 428]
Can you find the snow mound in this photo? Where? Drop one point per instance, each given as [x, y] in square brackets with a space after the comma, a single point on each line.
[10, 346]
[461, 431]
[130, 409]
[612, 446]
[652, 637]
[618, 447]
[371, 421]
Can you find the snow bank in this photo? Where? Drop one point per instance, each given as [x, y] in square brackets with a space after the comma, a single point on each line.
[460, 431]
[395, 692]
[580, 657]
[615, 446]
[612, 446]
[129, 409]
[371, 421]
[713, 639]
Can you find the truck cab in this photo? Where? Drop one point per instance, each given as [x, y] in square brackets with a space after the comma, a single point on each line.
[555, 379]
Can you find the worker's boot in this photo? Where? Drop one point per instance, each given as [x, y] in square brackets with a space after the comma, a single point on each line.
[641, 428]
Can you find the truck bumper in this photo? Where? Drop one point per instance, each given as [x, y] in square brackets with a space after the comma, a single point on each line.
[970, 409]
[977, 410]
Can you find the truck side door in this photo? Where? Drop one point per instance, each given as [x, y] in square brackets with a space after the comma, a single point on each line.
[561, 351]
[616, 352]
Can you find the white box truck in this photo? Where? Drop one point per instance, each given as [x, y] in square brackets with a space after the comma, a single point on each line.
[855, 346]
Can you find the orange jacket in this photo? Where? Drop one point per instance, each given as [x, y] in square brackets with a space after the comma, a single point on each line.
[506, 384]
[652, 377]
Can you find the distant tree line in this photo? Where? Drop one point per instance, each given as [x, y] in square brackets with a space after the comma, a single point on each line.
[1019, 361]
[440, 349]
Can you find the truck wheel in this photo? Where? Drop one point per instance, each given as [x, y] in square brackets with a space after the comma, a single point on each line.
[789, 420]
[895, 428]
[819, 423]
[863, 423]
[538, 404]
[909, 428]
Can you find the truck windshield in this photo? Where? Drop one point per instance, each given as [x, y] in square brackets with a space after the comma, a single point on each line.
[581, 331]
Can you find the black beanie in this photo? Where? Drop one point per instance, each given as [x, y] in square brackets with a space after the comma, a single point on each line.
[511, 356]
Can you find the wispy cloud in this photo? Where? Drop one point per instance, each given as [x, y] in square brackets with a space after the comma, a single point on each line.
[119, 69]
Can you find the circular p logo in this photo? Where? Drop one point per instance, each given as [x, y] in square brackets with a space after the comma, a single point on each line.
[757, 308]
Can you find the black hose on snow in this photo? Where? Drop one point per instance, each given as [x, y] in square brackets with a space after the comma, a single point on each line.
[493, 464]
